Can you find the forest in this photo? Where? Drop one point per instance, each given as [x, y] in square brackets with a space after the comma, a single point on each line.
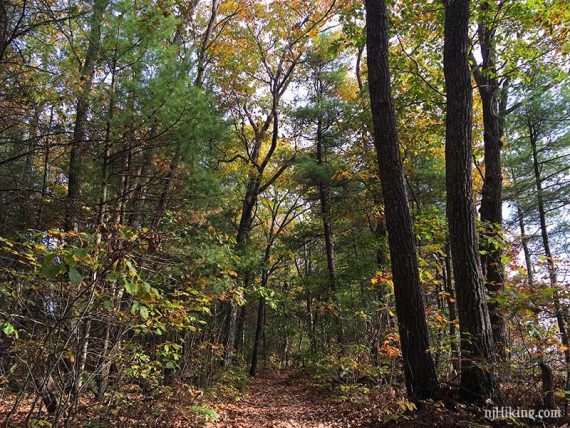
[284, 213]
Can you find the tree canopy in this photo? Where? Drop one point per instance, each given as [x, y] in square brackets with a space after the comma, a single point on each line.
[204, 198]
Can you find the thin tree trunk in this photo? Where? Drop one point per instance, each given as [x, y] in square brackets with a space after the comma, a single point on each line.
[28, 178]
[258, 334]
[77, 141]
[139, 199]
[419, 369]
[547, 386]
[325, 214]
[165, 194]
[244, 230]
[4, 30]
[328, 232]
[526, 250]
[491, 199]
[452, 308]
[45, 173]
[107, 147]
[201, 62]
[477, 378]
[561, 312]
[240, 326]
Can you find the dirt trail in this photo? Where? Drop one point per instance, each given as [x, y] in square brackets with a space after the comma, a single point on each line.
[283, 400]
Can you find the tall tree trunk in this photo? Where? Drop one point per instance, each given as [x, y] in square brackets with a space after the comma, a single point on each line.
[561, 312]
[452, 308]
[419, 369]
[168, 181]
[491, 200]
[45, 173]
[107, 147]
[240, 327]
[77, 141]
[526, 249]
[244, 229]
[4, 30]
[140, 189]
[325, 212]
[258, 335]
[477, 378]
[28, 177]
[203, 48]
[324, 200]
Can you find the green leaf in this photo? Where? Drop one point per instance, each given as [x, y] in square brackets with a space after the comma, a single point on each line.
[9, 329]
[144, 312]
[50, 270]
[131, 287]
[135, 307]
[74, 276]
[69, 260]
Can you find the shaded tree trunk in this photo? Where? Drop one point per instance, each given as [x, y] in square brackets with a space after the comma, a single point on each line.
[45, 173]
[28, 173]
[452, 308]
[231, 310]
[526, 249]
[77, 141]
[324, 200]
[561, 312]
[107, 147]
[258, 336]
[140, 192]
[325, 212]
[240, 327]
[49, 393]
[491, 199]
[547, 386]
[477, 378]
[205, 43]
[419, 369]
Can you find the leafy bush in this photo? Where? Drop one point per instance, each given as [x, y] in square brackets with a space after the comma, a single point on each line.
[230, 383]
[207, 414]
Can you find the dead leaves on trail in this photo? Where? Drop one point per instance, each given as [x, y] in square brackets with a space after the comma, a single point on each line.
[283, 400]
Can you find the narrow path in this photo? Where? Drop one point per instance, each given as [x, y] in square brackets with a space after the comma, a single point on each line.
[282, 400]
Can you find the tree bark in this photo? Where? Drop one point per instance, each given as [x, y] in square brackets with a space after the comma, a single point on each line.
[77, 141]
[526, 249]
[231, 341]
[561, 312]
[419, 369]
[477, 378]
[452, 308]
[324, 200]
[257, 339]
[325, 212]
[203, 48]
[491, 199]
[547, 386]
[107, 146]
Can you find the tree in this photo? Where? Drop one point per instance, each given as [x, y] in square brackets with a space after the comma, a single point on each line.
[77, 142]
[491, 199]
[419, 370]
[276, 55]
[477, 347]
[538, 156]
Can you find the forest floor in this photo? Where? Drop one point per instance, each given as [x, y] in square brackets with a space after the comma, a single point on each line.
[288, 399]
[283, 399]
[277, 399]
